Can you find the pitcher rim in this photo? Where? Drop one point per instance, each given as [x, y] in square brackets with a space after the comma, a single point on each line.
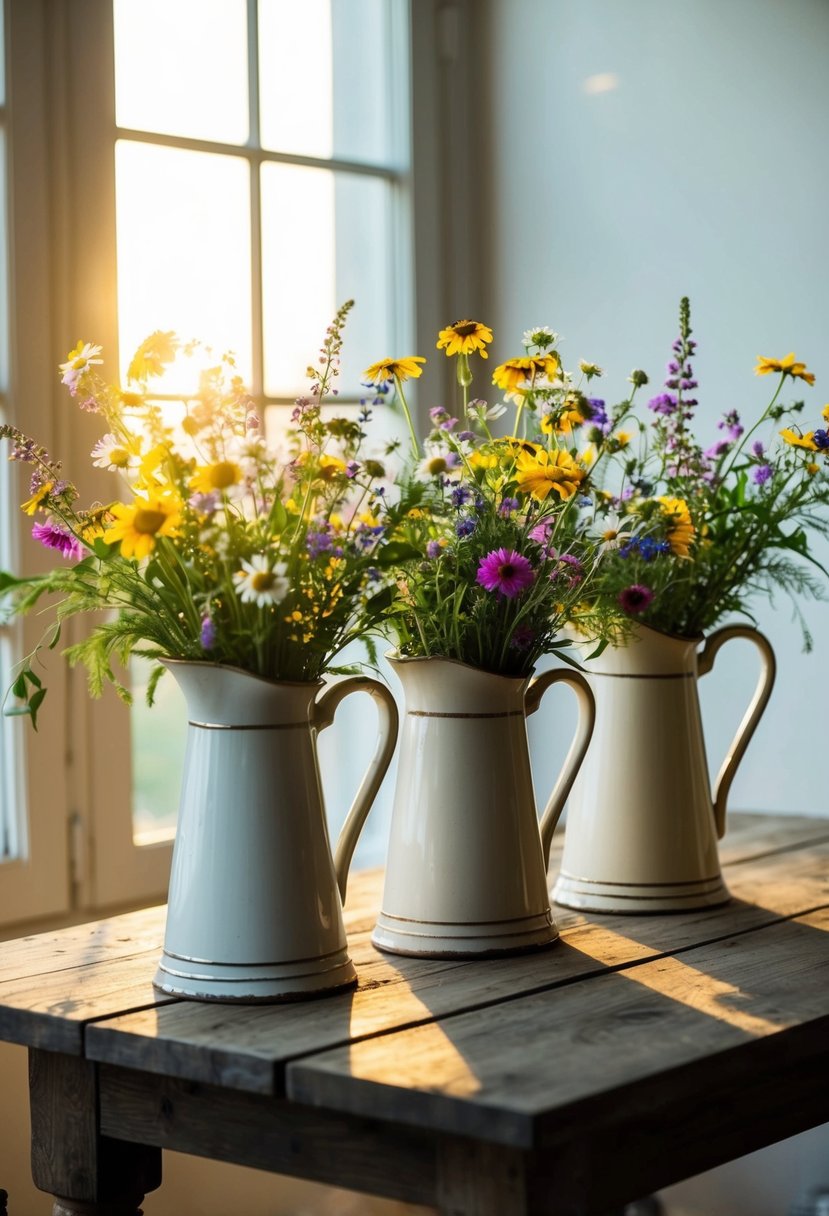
[395, 657]
[170, 662]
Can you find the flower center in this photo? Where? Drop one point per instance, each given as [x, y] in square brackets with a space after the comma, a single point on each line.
[437, 465]
[262, 580]
[506, 571]
[610, 534]
[148, 521]
[223, 474]
[465, 331]
[120, 457]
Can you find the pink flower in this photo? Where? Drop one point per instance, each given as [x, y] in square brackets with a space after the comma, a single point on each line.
[505, 571]
[55, 537]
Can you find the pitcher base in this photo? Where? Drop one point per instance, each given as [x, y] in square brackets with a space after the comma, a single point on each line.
[490, 939]
[592, 895]
[243, 984]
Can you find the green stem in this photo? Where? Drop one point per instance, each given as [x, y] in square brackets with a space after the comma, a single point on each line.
[398, 386]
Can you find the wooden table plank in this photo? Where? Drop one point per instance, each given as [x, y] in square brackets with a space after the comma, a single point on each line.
[249, 1048]
[475, 1074]
[53, 984]
[99, 941]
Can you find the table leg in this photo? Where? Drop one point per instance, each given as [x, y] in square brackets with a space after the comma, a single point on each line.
[479, 1179]
[89, 1174]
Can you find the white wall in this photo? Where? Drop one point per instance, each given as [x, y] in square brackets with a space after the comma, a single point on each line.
[704, 172]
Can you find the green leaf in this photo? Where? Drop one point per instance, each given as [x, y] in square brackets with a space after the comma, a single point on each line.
[395, 552]
[35, 702]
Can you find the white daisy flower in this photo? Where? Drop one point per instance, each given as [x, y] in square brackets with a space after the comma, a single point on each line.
[438, 462]
[258, 583]
[80, 360]
[542, 336]
[111, 453]
[614, 530]
[480, 409]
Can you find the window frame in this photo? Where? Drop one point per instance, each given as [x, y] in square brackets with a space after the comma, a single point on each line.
[63, 284]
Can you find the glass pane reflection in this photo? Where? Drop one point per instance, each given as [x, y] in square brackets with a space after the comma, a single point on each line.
[324, 240]
[183, 249]
[181, 67]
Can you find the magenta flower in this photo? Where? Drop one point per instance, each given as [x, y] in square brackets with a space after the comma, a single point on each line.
[54, 537]
[505, 571]
[635, 599]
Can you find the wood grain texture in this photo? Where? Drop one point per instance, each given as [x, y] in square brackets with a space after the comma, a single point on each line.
[477, 1179]
[70, 1158]
[249, 1048]
[51, 1011]
[82, 945]
[557, 1062]
[266, 1133]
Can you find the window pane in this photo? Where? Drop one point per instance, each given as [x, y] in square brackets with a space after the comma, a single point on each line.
[326, 74]
[181, 67]
[325, 239]
[183, 249]
[158, 740]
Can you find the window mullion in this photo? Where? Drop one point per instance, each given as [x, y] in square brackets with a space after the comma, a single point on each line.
[257, 337]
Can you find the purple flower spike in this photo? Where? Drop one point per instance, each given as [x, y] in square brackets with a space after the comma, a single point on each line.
[208, 633]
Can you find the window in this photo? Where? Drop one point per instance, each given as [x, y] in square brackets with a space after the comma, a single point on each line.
[239, 199]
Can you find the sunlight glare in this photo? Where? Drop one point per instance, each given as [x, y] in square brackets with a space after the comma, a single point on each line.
[298, 260]
[703, 992]
[181, 68]
[295, 77]
[183, 251]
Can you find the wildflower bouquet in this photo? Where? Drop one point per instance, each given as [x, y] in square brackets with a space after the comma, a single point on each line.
[489, 564]
[222, 549]
[691, 533]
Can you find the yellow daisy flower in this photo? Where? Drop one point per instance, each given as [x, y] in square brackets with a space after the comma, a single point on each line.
[138, 525]
[542, 472]
[32, 504]
[825, 413]
[220, 475]
[680, 531]
[465, 338]
[515, 372]
[800, 441]
[153, 355]
[394, 369]
[330, 467]
[787, 367]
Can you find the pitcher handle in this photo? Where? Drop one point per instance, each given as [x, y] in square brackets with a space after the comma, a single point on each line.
[387, 714]
[705, 661]
[578, 748]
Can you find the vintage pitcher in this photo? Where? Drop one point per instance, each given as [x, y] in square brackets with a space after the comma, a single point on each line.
[255, 897]
[466, 868]
[642, 826]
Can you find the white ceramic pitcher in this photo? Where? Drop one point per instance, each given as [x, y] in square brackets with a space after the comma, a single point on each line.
[642, 825]
[466, 868]
[255, 908]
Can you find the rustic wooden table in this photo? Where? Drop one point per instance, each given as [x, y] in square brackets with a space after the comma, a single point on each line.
[636, 1052]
